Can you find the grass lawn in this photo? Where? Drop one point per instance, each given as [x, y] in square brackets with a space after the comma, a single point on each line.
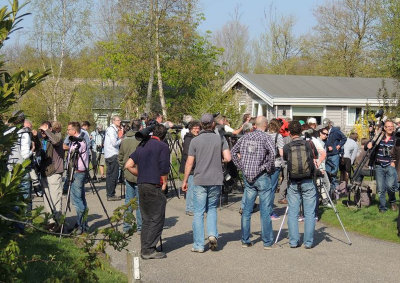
[366, 221]
[57, 259]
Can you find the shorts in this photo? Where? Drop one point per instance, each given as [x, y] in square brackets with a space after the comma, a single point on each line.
[95, 156]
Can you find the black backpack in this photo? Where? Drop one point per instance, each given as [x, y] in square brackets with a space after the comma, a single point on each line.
[299, 160]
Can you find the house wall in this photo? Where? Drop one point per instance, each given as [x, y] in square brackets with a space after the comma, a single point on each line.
[244, 98]
[103, 117]
[284, 111]
[337, 114]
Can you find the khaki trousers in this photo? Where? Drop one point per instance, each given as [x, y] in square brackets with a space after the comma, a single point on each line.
[52, 187]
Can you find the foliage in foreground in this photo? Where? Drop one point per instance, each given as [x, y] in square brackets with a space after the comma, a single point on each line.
[45, 258]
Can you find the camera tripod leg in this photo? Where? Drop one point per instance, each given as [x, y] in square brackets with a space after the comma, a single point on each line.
[52, 207]
[94, 190]
[70, 180]
[338, 217]
[283, 221]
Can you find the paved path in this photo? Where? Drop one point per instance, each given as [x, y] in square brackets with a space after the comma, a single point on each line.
[331, 260]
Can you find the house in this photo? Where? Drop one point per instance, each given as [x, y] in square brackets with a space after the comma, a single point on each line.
[343, 100]
[107, 103]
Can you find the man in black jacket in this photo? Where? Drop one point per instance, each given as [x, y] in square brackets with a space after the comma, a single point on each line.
[194, 129]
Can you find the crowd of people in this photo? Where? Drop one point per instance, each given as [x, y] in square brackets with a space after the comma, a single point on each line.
[277, 156]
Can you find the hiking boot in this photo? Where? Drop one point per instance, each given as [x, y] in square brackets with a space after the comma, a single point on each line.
[247, 245]
[212, 243]
[154, 255]
[283, 201]
[394, 207]
[113, 198]
[272, 247]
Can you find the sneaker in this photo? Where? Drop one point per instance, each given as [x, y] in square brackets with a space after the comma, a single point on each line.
[272, 247]
[301, 218]
[189, 213]
[316, 219]
[240, 211]
[283, 201]
[296, 246]
[154, 255]
[326, 204]
[307, 247]
[274, 216]
[113, 198]
[212, 243]
[197, 250]
[247, 245]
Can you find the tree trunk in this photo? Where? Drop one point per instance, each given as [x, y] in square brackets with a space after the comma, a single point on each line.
[55, 89]
[159, 77]
[150, 86]
[151, 75]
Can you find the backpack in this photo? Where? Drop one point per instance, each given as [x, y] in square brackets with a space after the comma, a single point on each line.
[299, 160]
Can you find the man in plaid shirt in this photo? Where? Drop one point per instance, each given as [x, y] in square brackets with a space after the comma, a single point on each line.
[254, 154]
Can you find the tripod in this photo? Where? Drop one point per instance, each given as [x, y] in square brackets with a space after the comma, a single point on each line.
[73, 164]
[320, 187]
[98, 158]
[175, 149]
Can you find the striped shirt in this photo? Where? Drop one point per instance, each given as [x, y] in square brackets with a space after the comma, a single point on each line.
[383, 156]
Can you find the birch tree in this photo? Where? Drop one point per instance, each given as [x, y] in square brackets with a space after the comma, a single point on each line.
[61, 28]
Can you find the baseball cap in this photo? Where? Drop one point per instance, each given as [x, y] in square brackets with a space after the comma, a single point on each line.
[312, 120]
[207, 118]
[326, 122]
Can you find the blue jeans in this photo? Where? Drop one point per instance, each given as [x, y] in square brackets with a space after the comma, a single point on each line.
[78, 199]
[26, 189]
[262, 187]
[332, 167]
[189, 194]
[386, 181]
[305, 190]
[132, 191]
[205, 199]
[274, 184]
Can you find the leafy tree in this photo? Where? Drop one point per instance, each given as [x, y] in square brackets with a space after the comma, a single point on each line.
[233, 38]
[343, 43]
[12, 87]
[389, 36]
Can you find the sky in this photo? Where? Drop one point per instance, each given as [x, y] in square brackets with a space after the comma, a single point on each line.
[218, 12]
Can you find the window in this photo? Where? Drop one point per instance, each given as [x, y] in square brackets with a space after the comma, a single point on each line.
[353, 115]
[255, 109]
